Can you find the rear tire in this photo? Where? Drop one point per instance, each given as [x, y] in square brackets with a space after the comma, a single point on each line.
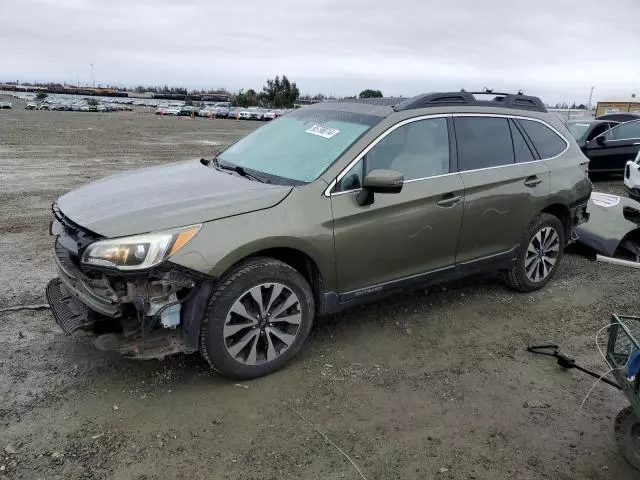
[627, 432]
[539, 254]
[257, 319]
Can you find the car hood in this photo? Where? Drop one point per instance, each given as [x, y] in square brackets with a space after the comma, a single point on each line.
[166, 196]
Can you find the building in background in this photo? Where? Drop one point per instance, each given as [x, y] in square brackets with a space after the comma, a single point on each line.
[618, 106]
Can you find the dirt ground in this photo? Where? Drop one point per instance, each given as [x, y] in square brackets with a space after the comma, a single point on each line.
[430, 384]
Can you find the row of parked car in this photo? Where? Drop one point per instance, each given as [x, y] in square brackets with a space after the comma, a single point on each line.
[222, 111]
[77, 107]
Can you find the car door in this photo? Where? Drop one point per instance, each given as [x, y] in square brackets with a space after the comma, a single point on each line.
[400, 236]
[610, 151]
[505, 183]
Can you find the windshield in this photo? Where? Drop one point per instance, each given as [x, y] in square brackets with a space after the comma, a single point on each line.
[578, 130]
[300, 146]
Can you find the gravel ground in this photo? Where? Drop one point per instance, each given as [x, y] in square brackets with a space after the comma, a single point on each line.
[430, 384]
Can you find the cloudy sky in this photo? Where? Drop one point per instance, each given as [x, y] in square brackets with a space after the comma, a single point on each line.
[556, 49]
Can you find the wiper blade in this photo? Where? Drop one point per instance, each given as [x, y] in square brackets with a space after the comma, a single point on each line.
[238, 169]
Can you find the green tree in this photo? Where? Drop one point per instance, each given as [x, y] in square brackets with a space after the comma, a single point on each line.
[41, 96]
[280, 93]
[92, 102]
[368, 93]
[245, 99]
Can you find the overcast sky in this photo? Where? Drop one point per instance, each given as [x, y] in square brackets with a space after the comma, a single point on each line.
[553, 48]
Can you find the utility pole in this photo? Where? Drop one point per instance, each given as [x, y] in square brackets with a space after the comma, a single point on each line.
[92, 79]
[590, 98]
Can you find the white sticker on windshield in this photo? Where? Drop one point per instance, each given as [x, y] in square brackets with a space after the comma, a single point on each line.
[324, 132]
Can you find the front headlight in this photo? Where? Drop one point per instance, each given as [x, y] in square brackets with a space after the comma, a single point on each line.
[139, 251]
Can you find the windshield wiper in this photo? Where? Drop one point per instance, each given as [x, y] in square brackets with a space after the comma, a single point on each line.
[238, 169]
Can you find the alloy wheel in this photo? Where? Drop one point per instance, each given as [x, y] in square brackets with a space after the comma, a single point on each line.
[262, 324]
[542, 254]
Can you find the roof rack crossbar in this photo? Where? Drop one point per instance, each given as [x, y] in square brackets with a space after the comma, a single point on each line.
[503, 100]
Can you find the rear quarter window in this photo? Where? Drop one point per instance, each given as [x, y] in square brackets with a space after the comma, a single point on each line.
[547, 142]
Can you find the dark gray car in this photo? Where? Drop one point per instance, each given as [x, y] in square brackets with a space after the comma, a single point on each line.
[329, 206]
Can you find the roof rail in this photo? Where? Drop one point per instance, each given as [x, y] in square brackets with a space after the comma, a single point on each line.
[503, 100]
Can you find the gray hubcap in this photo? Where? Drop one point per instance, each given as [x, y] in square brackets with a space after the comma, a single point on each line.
[262, 324]
[542, 254]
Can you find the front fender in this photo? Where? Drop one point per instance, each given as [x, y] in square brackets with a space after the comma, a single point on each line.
[303, 224]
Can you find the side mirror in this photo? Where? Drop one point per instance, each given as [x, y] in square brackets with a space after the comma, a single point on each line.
[600, 140]
[379, 181]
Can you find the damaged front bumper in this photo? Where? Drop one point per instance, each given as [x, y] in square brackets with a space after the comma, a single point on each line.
[137, 314]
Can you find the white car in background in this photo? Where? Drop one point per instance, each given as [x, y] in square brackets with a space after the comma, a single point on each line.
[168, 111]
[269, 115]
[632, 177]
[207, 112]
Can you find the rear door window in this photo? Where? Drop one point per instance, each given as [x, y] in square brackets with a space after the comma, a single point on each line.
[547, 142]
[520, 148]
[483, 142]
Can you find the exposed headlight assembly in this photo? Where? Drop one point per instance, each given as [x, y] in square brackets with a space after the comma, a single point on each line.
[138, 252]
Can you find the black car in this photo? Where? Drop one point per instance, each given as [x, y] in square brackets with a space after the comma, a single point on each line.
[586, 130]
[610, 151]
[620, 117]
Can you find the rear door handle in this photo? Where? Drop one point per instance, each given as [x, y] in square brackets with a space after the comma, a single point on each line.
[449, 200]
[532, 181]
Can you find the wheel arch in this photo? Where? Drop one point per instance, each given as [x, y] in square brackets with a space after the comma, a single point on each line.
[295, 255]
[296, 259]
[562, 213]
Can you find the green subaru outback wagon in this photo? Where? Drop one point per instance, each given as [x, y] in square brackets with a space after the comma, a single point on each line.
[331, 205]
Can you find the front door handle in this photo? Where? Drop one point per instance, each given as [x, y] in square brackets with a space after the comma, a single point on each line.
[532, 181]
[449, 200]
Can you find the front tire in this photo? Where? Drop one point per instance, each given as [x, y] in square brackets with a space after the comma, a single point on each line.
[257, 319]
[539, 254]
